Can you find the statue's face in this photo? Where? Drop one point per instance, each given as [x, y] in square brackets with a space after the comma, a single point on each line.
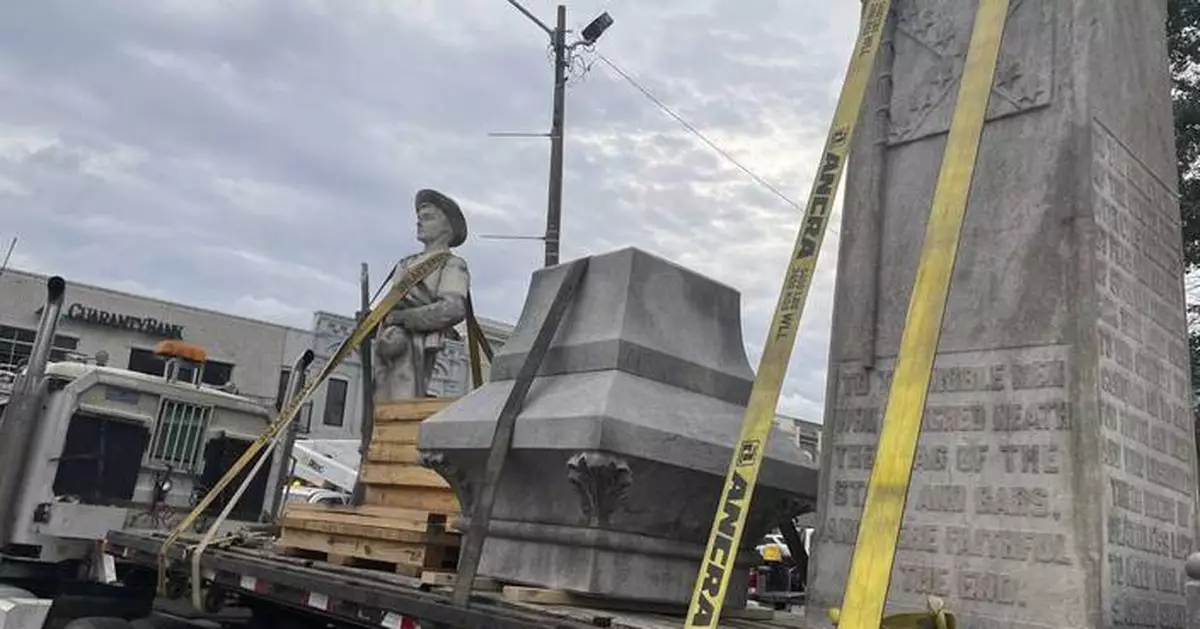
[432, 225]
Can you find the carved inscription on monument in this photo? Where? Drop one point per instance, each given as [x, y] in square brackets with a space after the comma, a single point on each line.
[1145, 391]
[988, 520]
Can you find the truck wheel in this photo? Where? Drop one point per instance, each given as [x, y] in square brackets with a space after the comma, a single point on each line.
[98, 622]
[214, 599]
[176, 588]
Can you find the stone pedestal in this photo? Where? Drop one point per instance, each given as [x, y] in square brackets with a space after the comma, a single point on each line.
[619, 454]
[1055, 476]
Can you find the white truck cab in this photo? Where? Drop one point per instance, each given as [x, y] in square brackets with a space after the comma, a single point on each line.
[86, 449]
[114, 449]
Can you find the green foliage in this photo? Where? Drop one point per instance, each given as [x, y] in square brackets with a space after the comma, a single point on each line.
[1195, 347]
[1183, 41]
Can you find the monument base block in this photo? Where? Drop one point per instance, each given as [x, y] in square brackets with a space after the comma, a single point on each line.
[621, 448]
[593, 561]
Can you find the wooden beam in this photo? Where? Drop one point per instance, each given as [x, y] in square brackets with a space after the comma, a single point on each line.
[403, 475]
[410, 410]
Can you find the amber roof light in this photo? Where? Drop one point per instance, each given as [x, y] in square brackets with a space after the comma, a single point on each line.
[181, 349]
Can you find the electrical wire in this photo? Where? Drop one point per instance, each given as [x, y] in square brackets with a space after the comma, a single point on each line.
[696, 132]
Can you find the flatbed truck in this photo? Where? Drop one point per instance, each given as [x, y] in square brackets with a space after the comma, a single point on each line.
[291, 592]
[100, 462]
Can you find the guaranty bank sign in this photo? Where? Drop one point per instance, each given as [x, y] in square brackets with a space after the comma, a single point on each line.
[145, 325]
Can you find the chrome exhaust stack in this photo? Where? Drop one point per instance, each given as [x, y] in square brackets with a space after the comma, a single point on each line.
[56, 288]
[16, 423]
[284, 465]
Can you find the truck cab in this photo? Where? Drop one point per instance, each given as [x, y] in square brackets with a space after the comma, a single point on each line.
[110, 449]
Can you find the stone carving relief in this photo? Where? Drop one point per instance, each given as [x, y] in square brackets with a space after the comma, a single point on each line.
[455, 476]
[602, 480]
[451, 370]
[930, 42]
[331, 331]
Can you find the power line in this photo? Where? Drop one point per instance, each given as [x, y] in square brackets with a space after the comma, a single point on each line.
[696, 132]
[4, 265]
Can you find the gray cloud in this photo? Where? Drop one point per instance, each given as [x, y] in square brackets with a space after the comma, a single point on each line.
[229, 155]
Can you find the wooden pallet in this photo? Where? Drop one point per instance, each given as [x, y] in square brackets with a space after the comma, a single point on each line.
[409, 520]
[393, 539]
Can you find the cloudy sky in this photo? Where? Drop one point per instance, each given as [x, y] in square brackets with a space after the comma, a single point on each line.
[246, 155]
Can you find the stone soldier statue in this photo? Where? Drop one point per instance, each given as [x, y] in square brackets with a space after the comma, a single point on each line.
[408, 341]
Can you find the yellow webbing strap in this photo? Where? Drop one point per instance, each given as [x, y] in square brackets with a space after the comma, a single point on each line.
[411, 277]
[198, 550]
[708, 594]
[875, 550]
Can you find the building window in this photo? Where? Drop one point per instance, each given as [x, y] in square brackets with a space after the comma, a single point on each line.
[281, 395]
[16, 344]
[144, 361]
[216, 373]
[335, 402]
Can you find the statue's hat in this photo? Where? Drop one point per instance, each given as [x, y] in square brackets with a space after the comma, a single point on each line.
[454, 215]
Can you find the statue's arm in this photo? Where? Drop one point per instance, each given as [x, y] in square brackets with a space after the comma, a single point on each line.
[449, 309]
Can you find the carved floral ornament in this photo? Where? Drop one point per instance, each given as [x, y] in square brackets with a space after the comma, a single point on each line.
[463, 487]
[603, 482]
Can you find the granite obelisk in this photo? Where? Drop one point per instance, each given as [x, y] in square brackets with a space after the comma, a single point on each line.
[1055, 474]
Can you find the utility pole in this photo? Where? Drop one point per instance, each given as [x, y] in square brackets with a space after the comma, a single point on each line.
[367, 425]
[562, 51]
[554, 203]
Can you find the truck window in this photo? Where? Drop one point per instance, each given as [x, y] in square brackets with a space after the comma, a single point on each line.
[95, 464]
[219, 455]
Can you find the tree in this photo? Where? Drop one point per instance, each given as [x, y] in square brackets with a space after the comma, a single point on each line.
[1183, 44]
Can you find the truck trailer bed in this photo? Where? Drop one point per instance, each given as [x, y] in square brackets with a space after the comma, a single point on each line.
[371, 598]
